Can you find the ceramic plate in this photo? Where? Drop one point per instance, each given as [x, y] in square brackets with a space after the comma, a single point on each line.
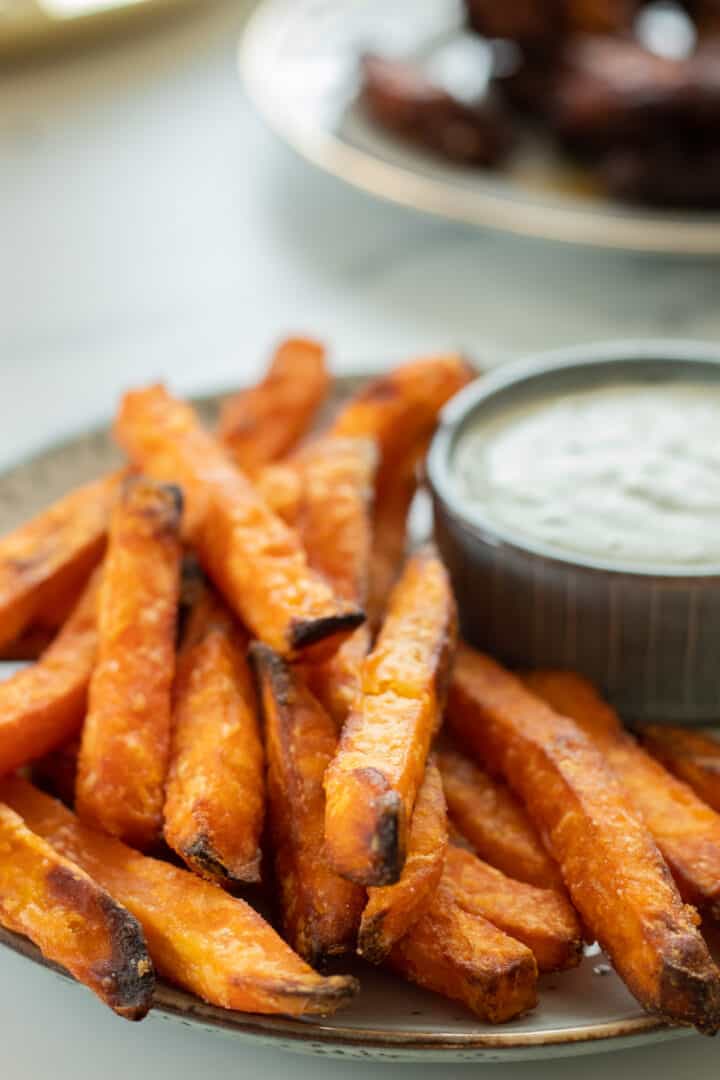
[299, 63]
[580, 1011]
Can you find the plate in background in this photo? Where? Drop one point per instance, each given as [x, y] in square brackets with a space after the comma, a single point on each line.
[298, 60]
[581, 1011]
[29, 24]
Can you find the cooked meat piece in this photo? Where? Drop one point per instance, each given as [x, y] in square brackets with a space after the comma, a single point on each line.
[402, 99]
[666, 175]
[611, 91]
[536, 24]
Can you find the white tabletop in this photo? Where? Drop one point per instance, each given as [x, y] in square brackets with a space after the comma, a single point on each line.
[150, 227]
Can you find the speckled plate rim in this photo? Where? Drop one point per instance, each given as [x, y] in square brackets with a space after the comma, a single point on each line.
[178, 1004]
[334, 1039]
[606, 226]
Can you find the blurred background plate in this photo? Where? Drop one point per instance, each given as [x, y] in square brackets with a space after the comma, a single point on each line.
[299, 63]
[26, 25]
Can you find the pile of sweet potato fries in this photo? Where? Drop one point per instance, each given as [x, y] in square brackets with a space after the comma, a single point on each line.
[243, 691]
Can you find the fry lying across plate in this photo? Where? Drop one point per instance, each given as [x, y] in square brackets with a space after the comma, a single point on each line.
[374, 778]
[691, 755]
[686, 830]
[256, 561]
[320, 910]
[123, 758]
[494, 822]
[43, 705]
[215, 793]
[263, 423]
[610, 864]
[45, 563]
[198, 936]
[76, 923]
[393, 909]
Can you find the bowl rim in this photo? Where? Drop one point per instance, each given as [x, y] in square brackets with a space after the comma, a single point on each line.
[662, 351]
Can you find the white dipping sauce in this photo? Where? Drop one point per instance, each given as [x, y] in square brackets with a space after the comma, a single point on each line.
[627, 473]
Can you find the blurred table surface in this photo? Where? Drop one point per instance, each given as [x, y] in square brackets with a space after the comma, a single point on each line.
[151, 228]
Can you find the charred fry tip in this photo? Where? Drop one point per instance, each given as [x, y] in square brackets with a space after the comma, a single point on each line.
[132, 969]
[322, 994]
[337, 991]
[697, 991]
[304, 632]
[203, 858]
[372, 946]
[128, 976]
[388, 858]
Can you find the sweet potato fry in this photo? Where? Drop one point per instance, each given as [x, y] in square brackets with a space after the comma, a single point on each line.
[494, 822]
[72, 920]
[45, 563]
[265, 422]
[543, 919]
[255, 559]
[126, 738]
[400, 410]
[199, 937]
[395, 492]
[392, 909]
[374, 778]
[43, 706]
[280, 485]
[335, 526]
[466, 958]
[56, 772]
[686, 830]
[215, 793]
[333, 519]
[615, 875]
[320, 910]
[692, 756]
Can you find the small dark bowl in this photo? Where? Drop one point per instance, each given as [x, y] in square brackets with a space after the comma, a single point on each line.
[649, 639]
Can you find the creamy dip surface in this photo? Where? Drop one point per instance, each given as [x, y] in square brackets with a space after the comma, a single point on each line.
[627, 473]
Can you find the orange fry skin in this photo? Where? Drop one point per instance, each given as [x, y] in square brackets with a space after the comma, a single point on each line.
[72, 920]
[281, 486]
[396, 490]
[392, 909]
[320, 910]
[257, 562]
[615, 875]
[43, 706]
[46, 562]
[199, 937]
[215, 792]
[494, 822]
[264, 423]
[333, 518]
[335, 525]
[543, 919]
[691, 755]
[400, 409]
[126, 738]
[374, 778]
[686, 830]
[466, 958]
